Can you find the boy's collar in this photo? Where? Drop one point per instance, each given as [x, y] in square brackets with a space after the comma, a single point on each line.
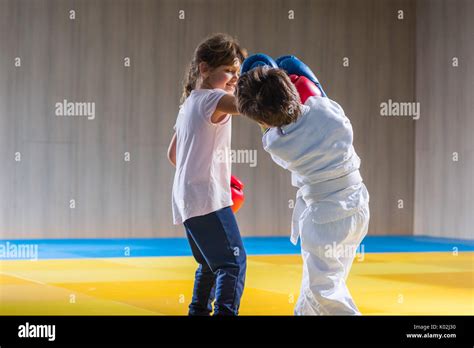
[289, 127]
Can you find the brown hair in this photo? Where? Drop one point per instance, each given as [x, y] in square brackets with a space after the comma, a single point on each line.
[267, 95]
[216, 50]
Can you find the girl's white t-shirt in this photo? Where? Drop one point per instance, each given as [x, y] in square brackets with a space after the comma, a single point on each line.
[202, 179]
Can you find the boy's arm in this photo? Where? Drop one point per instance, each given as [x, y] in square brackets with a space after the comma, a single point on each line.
[172, 150]
[225, 105]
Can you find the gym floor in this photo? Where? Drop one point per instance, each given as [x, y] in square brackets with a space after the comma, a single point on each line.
[390, 276]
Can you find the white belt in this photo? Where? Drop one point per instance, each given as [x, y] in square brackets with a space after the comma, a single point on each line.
[309, 194]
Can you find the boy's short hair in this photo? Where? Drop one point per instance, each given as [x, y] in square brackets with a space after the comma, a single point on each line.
[268, 96]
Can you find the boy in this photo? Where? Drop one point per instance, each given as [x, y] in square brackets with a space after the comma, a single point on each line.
[314, 142]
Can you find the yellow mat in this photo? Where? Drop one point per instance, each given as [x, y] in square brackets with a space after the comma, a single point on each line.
[385, 284]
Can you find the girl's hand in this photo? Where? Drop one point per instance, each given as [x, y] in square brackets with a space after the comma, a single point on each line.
[263, 129]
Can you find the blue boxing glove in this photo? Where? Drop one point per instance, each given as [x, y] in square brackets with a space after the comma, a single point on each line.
[256, 60]
[294, 66]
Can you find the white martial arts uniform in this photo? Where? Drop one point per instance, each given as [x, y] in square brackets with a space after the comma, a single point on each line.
[331, 213]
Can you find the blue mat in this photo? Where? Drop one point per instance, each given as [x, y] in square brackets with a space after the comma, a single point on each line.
[100, 248]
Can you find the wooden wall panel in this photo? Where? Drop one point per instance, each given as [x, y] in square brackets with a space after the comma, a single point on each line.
[444, 201]
[82, 60]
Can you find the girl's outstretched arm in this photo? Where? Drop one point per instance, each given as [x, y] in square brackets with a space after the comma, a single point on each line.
[226, 105]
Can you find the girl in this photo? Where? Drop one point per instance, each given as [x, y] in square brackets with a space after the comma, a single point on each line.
[201, 197]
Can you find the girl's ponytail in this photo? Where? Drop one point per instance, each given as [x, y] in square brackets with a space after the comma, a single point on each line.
[190, 80]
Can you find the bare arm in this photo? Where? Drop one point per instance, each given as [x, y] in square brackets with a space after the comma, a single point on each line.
[226, 105]
[172, 150]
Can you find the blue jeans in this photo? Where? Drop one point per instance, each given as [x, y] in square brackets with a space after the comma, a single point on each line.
[217, 246]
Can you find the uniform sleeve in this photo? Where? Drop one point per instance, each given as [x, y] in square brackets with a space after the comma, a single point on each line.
[271, 144]
[209, 104]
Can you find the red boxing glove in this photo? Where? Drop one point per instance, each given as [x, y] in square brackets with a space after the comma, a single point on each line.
[237, 190]
[305, 87]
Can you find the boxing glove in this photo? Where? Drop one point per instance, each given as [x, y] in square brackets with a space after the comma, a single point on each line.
[305, 87]
[256, 60]
[293, 66]
[237, 190]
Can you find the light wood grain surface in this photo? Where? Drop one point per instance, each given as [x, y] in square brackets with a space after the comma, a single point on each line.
[444, 203]
[82, 60]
